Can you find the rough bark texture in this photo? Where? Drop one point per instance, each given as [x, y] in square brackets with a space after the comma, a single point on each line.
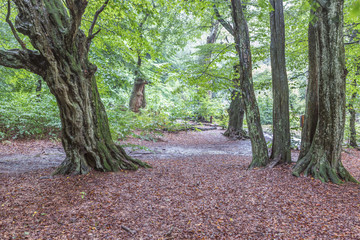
[61, 59]
[352, 119]
[137, 98]
[312, 93]
[242, 41]
[281, 123]
[236, 114]
[321, 153]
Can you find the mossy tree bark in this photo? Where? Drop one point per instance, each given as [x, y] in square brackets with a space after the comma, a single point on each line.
[241, 35]
[61, 59]
[352, 111]
[280, 151]
[236, 114]
[320, 155]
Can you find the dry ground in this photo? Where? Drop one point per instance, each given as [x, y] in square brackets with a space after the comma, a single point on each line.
[202, 193]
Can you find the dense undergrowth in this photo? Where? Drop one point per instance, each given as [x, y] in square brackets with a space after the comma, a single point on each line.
[36, 116]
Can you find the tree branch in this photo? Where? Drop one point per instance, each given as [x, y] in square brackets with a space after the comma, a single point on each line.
[23, 59]
[350, 43]
[91, 35]
[207, 67]
[13, 30]
[225, 24]
[93, 23]
[76, 10]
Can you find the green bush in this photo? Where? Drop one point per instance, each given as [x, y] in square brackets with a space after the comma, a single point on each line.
[24, 115]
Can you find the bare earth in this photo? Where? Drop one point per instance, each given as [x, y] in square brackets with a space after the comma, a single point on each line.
[198, 188]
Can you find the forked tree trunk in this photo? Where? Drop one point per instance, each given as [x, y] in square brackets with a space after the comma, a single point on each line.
[241, 34]
[236, 114]
[281, 123]
[62, 60]
[321, 153]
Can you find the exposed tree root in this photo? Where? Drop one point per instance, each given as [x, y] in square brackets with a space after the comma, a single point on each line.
[236, 134]
[258, 163]
[319, 168]
[274, 162]
[110, 159]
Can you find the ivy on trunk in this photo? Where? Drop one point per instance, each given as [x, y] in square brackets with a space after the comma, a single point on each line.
[61, 59]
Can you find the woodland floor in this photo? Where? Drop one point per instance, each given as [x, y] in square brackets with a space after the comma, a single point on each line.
[199, 188]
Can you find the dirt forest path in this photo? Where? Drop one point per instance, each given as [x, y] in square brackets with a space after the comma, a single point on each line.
[199, 188]
[25, 156]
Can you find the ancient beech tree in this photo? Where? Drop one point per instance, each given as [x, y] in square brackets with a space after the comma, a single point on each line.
[323, 132]
[242, 41]
[61, 59]
[281, 125]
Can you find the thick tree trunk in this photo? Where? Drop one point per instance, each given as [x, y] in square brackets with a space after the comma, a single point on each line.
[241, 34]
[322, 158]
[61, 60]
[236, 114]
[281, 123]
[352, 119]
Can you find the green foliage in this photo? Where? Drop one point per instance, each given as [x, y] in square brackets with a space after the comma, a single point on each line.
[24, 115]
[183, 71]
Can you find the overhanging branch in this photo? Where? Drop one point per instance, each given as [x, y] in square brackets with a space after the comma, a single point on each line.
[13, 30]
[23, 59]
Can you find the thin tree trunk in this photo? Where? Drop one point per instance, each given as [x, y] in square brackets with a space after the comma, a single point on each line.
[61, 59]
[281, 123]
[352, 119]
[322, 157]
[241, 34]
[312, 93]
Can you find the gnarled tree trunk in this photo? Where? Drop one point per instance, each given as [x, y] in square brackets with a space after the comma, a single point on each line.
[280, 151]
[320, 155]
[61, 59]
[241, 34]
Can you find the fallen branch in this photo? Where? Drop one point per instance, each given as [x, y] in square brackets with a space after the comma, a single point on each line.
[128, 230]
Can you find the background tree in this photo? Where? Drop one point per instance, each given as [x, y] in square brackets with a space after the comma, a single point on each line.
[281, 125]
[236, 109]
[61, 59]
[323, 132]
[241, 34]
